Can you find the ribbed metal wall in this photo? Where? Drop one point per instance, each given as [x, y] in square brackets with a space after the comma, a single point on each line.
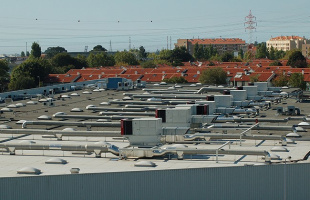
[247, 182]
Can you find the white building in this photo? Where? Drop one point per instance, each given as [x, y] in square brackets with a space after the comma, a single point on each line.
[287, 43]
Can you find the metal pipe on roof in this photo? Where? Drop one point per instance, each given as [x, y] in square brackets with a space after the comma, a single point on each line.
[68, 123]
[232, 126]
[171, 96]
[60, 133]
[95, 117]
[129, 113]
[138, 102]
[97, 148]
[190, 137]
[233, 119]
[116, 109]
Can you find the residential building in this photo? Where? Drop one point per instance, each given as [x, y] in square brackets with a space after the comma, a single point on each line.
[306, 50]
[286, 43]
[222, 45]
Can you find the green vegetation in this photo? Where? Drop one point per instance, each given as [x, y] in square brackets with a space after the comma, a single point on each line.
[180, 79]
[297, 80]
[297, 60]
[280, 81]
[4, 75]
[213, 76]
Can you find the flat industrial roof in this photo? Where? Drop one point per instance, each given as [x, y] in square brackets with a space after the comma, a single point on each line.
[109, 162]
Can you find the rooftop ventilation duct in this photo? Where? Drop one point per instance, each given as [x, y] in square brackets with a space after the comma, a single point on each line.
[76, 110]
[74, 94]
[75, 170]
[32, 103]
[6, 110]
[3, 126]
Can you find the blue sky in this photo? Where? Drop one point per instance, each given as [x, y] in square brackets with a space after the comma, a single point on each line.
[74, 24]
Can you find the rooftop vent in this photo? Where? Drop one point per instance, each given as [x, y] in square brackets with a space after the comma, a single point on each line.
[56, 161]
[20, 105]
[145, 164]
[12, 106]
[3, 126]
[44, 117]
[75, 170]
[68, 129]
[74, 94]
[6, 110]
[293, 134]
[86, 92]
[279, 149]
[76, 110]
[20, 121]
[31, 102]
[29, 170]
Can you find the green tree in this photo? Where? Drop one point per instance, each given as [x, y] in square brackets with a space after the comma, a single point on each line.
[100, 59]
[280, 81]
[272, 53]
[30, 72]
[148, 64]
[125, 58]
[213, 76]
[175, 79]
[179, 55]
[297, 60]
[240, 53]
[99, 48]
[279, 54]
[262, 51]
[198, 51]
[52, 51]
[4, 75]
[227, 57]
[27, 54]
[297, 80]
[35, 50]
[254, 78]
[22, 54]
[275, 63]
[142, 54]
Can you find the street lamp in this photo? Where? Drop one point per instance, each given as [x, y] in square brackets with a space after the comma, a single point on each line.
[288, 158]
[39, 80]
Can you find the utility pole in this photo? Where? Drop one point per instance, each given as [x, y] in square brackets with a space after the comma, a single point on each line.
[250, 24]
[129, 44]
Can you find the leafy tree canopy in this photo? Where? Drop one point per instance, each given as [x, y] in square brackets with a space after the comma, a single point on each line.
[52, 51]
[213, 76]
[35, 50]
[297, 60]
[4, 75]
[297, 80]
[99, 48]
[180, 79]
[100, 59]
[125, 58]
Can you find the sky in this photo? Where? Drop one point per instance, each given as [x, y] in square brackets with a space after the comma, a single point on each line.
[120, 24]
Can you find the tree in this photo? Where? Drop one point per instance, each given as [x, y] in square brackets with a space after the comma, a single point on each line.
[297, 60]
[4, 75]
[175, 79]
[35, 50]
[240, 53]
[213, 76]
[297, 80]
[275, 63]
[280, 81]
[99, 48]
[198, 51]
[142, 53]
[125, 58]
[27, 54]
[178, 55]
[262, 51]
[272, 53]
[227, 57]
[27, 74]
[148, 64]
[254, 78]
[100, 59]
[22, 54]
[52, 51]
